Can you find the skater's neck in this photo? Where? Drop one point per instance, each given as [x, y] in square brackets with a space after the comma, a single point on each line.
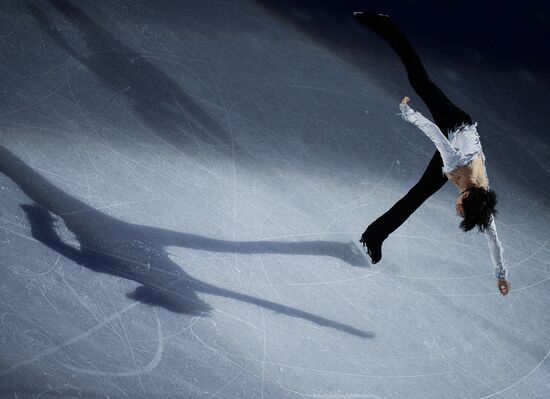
[465, 184]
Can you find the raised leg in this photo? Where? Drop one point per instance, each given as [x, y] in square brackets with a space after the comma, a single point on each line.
[446, 114]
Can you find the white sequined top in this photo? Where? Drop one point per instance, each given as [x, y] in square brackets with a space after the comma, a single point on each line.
[460, 149]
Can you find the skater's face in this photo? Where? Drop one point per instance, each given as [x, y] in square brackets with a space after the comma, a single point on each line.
[458, 203]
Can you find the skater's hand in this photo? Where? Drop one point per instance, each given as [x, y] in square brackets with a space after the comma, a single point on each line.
[405, 100]
[503, 286]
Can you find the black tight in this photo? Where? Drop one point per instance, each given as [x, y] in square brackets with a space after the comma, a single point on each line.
[446, 116]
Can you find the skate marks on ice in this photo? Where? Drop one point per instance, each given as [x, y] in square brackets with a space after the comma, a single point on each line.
[151, 365]
[137, 253]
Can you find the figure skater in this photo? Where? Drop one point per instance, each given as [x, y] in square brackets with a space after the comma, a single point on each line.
[459, 157]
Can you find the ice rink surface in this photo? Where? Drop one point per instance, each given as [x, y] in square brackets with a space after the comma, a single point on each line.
[182, 188]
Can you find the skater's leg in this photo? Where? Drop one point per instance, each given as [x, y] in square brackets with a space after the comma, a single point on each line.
[446, 114]
[430, 182]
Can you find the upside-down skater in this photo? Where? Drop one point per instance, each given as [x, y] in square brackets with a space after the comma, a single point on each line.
[459, 157]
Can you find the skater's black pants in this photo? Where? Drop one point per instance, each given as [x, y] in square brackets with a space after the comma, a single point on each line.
[446, 116]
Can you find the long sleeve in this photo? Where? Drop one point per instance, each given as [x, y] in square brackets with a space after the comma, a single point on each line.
[451, 156]
[495, 247]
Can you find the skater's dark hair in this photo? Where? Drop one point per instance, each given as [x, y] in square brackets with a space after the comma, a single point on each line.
[478, 207]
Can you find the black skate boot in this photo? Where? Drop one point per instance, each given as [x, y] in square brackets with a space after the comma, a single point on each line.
[373, 245]
[380, 23]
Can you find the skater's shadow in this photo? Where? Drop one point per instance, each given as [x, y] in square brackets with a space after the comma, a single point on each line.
[136, 252]
[154, 97]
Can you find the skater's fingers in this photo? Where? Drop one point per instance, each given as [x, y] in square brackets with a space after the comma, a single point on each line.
[504, 287]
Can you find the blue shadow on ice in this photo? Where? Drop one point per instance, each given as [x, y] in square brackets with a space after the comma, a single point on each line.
[154, 97]
[137, 252]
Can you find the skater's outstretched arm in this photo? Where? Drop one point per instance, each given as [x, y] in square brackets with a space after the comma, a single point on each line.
[451, 156]
[497, 256]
